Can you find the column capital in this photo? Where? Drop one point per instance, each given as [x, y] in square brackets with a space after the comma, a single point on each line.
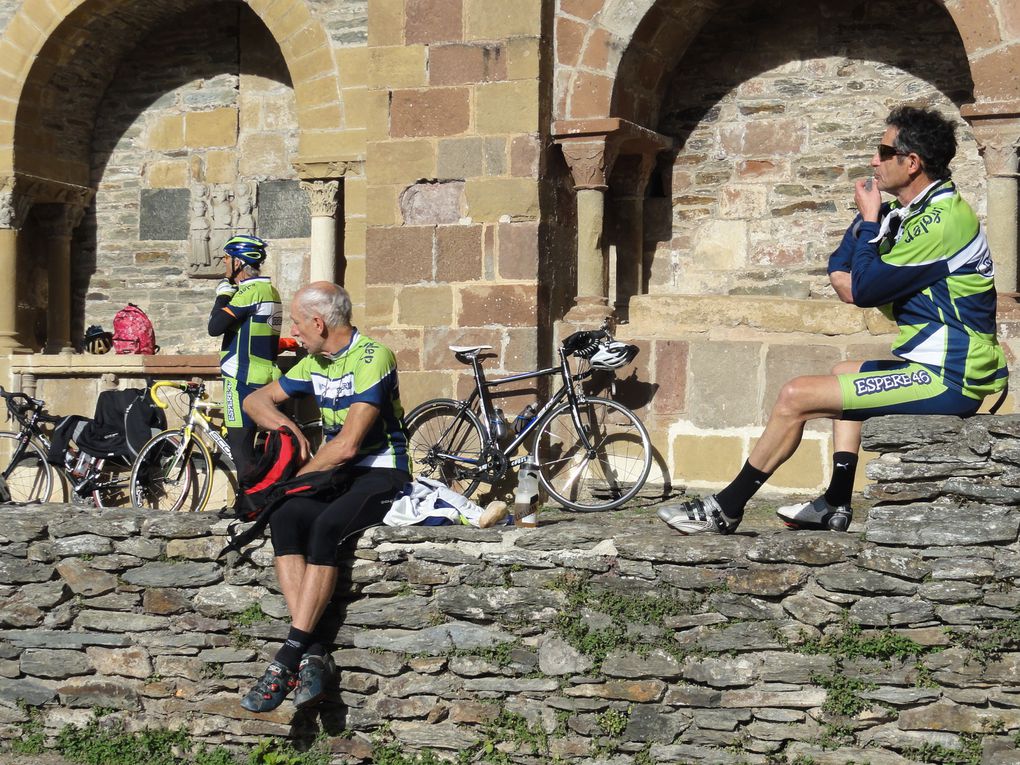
[14, 204]
[58, 220]
[996, 129]
[590, 161]
[323, 197]
[591, 147]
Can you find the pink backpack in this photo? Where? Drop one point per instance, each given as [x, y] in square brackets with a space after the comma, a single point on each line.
[133, 332]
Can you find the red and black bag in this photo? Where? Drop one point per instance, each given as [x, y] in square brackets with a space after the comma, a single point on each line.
[279, 461]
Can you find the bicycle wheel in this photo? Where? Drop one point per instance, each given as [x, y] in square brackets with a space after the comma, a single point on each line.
[111, 486]
[169, 475]
[30, 477]
[445, 444]
[607, 475]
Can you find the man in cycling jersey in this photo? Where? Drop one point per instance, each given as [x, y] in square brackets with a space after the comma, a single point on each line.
[354, 381]
[923, 260]
[248, 315]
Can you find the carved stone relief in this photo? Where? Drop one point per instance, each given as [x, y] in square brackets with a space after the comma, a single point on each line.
[218, 212]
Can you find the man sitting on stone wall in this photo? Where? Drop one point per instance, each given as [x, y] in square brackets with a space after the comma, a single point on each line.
[354, 380]
[923, 260]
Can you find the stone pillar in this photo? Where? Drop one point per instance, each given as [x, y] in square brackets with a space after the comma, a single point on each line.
[1001, 165]
[997, 130]
[57, 222]
[323, 201]
[14, 208]
[590, 160]
[630, 177]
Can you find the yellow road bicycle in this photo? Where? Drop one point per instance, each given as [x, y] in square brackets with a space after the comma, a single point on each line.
[180, 469]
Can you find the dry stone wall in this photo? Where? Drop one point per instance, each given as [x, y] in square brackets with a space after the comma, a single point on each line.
[592, 637]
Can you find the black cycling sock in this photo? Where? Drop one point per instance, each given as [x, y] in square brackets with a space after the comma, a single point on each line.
[293, 648]
[841, 487]
[315, 649]
[733, 498]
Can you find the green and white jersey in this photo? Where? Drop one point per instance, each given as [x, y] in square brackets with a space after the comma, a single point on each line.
[248, 354]
[364, 371]
[928, 267]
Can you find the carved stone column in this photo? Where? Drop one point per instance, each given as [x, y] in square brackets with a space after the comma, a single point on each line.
[14, 207]
[323, 202]
[57, 222]
[590, 148]
[997, 130]
[1001, 165]
[630, 177]
[590, 161]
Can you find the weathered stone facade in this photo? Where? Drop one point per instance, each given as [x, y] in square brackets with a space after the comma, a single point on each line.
[589, 636]
[477, 172]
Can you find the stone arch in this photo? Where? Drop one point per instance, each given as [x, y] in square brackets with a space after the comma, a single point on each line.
[56, 68]
[40, 43]
[605, 48]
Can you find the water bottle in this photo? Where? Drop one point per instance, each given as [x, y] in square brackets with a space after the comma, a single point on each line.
[526, 495]
[525, 417]
[498, 423]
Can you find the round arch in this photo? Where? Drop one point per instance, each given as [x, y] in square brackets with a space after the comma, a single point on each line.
[42, 51]
[614, 56]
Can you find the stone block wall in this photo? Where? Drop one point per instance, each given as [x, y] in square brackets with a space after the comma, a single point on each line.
[452, 171]
[587, 638]
[710, 369]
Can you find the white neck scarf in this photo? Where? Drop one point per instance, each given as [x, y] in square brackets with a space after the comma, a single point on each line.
[899, 213]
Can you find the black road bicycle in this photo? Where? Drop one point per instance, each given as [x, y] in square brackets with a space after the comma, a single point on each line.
[29, 477]
[592, 453]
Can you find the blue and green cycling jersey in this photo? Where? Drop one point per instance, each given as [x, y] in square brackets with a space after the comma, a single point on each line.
[928, 267]
[364, 371]
[248, 353]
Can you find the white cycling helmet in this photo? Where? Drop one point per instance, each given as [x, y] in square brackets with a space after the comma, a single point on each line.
[613, 355]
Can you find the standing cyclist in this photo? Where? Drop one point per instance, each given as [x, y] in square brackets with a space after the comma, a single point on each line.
[248, 314]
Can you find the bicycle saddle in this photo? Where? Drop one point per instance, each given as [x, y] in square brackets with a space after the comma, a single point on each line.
[469, 350]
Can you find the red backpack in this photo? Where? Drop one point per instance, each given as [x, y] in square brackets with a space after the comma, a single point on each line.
[133, 332]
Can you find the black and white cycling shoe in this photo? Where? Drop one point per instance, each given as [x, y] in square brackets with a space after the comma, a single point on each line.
[316, 675]
[698, 516]
[816, 515]
[271, 689]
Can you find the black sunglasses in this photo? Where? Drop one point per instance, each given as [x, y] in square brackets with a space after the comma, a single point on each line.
[888, 152]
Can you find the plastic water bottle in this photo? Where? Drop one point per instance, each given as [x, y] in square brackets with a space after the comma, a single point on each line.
[498, 423]
[525, 417]
[526, 495]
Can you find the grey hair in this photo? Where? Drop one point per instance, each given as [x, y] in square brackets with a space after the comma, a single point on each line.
[328, 301]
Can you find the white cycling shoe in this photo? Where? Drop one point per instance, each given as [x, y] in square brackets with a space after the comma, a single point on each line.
[698, 516]
[817, 515]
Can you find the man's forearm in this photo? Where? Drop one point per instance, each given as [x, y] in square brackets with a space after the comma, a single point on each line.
[261, 407]
[841, 281]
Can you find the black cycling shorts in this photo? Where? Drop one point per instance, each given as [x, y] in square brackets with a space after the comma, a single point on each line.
[314, 528]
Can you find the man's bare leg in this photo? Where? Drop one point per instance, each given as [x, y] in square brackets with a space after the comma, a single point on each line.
[316, 591]
[801, 399]
[290, 571]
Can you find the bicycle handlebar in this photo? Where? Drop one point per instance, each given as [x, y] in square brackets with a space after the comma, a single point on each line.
[192, 389]
[585, 341]
[18, 404]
